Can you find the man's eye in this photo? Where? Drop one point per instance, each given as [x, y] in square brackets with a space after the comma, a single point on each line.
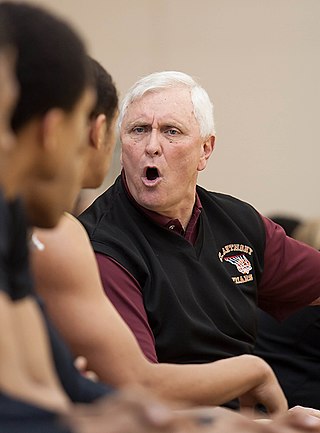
[138, 129]
[172, 131]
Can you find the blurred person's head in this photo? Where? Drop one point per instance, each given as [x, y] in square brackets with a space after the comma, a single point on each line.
[102, 136]
[308, 232]
[287, 222]
[8, 88]
[51, 119]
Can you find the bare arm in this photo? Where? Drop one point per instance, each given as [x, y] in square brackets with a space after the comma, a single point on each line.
[68, 279]
[26, 370]
[34, 351]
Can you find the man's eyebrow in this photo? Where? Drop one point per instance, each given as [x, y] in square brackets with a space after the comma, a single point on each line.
[138, 122]
[172, 123]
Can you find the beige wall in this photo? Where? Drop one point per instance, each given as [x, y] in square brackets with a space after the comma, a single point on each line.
[259, 61]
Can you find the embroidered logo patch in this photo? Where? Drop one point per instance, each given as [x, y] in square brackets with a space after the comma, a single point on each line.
[241, 262]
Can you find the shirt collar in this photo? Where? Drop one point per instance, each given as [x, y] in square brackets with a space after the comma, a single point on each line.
[172, 224]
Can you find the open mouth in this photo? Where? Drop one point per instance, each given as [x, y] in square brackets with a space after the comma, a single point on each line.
[152, 173]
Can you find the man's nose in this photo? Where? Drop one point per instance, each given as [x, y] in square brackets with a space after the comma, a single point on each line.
[153, 145]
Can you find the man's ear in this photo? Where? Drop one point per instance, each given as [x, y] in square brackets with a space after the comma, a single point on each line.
[50, 129]
[98, 131]
[206, 151]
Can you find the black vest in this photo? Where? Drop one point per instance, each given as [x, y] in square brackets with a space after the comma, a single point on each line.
[200, 300]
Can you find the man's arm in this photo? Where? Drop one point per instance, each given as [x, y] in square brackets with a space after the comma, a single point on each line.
[25, 373]
[124, 292]
[67, 277]
[30, 331]
[291, 276]
[30, 383]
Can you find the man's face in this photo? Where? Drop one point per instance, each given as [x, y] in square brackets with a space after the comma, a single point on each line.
[48, 195]
[8, 98]
[162, 150]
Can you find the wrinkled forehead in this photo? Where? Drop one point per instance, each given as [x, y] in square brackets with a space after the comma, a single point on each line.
[172, 102]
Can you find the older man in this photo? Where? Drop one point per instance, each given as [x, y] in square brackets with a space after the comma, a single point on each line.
[186, 267]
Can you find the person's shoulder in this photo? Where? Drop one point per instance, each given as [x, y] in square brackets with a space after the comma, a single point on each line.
[100, 210]
[108, 218]
[71, 230]
[224, 200]
[104, 202]
[233, 211]
[68, 235]
[71, 225]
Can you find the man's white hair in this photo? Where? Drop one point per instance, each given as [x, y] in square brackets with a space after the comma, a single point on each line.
[203, 107]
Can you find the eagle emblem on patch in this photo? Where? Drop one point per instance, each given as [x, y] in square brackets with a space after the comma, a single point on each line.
[241, 262]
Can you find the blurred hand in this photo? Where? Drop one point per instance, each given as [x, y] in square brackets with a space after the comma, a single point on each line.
[81, 364]
[133, 410]
[138, 411]
[306, 411]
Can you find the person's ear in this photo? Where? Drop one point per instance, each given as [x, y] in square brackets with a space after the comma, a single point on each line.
[206, 151]
[51, 128]
[98, 131]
